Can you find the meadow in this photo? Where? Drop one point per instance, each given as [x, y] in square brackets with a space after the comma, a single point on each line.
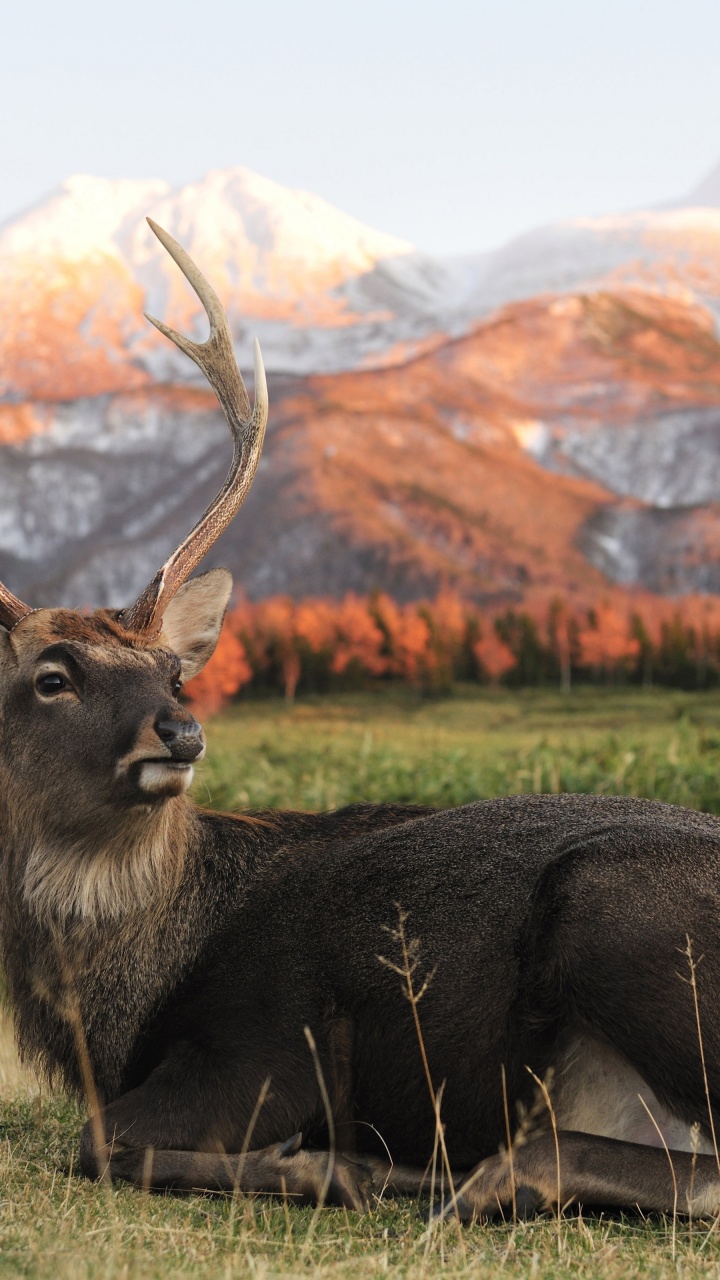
[319, 753]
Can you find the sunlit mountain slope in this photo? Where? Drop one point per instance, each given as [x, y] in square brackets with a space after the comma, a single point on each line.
[545, 417]
[564, 444]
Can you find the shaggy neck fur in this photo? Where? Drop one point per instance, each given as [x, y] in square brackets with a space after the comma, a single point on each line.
[103, 875]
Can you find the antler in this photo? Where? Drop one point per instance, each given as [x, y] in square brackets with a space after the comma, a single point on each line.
[12, 610]
[216, 358]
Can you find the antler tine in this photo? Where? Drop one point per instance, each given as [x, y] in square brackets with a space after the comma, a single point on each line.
[12, 610]
[216, 358]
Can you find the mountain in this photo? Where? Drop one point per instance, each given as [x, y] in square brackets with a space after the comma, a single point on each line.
[318, 288]
[321, 291]
[543, 418]
[565, 444]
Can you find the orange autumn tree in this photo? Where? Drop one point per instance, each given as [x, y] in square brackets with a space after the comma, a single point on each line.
[494, 657]
[648, 621]
[407, 640]
[447, 617]
[606, 641]
[316, 626]
[701, 619]
[242, 620]
[358, 639]
[275, 622]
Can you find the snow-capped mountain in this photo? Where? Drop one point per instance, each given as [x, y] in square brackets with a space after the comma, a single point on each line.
[322, 292]
[498, 421]
[319, 289]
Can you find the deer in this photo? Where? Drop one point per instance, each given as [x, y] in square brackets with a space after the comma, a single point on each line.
[235, 994]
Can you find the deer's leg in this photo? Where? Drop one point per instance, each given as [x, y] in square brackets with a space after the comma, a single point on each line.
[404, 1179]
[188, 1125]
[284, 1168]
[592, 1171]
[281, 1169]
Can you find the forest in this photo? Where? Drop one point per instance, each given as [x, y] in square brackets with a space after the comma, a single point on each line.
[324, 645]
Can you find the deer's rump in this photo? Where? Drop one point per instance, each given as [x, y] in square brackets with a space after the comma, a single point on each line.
[534, 917]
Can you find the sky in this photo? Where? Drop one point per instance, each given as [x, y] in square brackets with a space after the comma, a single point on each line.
[454, 124]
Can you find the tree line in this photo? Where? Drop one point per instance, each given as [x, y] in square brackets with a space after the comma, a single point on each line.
[320, 645]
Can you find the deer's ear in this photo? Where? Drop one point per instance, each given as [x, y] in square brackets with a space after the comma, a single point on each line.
[192, 620]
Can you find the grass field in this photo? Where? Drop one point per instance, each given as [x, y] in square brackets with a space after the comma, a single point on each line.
[319, 754]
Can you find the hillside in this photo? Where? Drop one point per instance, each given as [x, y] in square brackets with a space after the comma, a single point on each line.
[545, 417]
[563, 444]
[319, 289]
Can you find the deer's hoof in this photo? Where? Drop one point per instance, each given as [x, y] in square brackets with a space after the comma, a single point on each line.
[291, 1146]
[452, 1208]
[351, 1184]
[528, 1202]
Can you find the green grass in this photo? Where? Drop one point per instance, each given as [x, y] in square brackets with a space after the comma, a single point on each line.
[317, 754]
[323, 753]
[54, 1226]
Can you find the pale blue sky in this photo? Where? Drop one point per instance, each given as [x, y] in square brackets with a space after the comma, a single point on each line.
[454, 124]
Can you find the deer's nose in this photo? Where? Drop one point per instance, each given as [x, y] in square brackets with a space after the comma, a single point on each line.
[183, 738]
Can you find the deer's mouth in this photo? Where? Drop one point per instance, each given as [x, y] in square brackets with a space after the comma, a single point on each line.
[164, 777]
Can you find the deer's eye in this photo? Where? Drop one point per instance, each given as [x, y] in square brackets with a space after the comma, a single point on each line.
[176, 688]
[52, 682]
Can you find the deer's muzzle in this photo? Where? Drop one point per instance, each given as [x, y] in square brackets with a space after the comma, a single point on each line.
[183, 739]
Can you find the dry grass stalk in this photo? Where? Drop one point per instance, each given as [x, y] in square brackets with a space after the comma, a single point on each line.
[672, 1174]
[545, 1094]
[72, 1014]
[410, 951]
[508, 1135]
[331, 1140]
[692, 964]
[237, 1173]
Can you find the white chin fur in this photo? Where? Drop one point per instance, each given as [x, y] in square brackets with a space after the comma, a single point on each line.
[165, 779]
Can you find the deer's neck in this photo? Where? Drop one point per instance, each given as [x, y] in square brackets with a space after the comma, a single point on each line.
[101, 875]
[95, 933]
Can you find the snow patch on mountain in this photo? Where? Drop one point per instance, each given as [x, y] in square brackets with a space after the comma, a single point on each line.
[669, 251]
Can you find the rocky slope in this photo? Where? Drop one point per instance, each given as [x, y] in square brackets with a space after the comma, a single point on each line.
[547, 417]
[564, 444]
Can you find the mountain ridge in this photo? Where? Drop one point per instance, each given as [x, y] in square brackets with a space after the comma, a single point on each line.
[545, 417]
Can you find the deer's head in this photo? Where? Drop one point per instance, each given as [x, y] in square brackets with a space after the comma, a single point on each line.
[92, 735]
